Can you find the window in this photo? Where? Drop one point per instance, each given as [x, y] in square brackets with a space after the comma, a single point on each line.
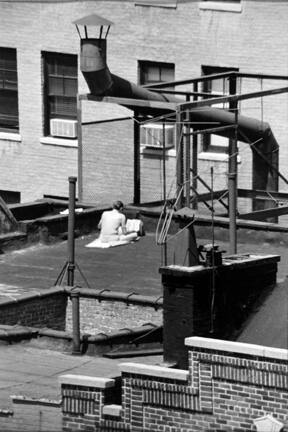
[153, 72]
[211, 142]
[151, 135]
[60, 94]
[8, 90]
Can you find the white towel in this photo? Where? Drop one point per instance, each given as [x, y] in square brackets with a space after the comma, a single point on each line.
[98, 244]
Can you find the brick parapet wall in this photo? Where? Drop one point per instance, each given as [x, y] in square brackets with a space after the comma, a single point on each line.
[227, 387]
[246, 381]
[83, 400]
[44, 309]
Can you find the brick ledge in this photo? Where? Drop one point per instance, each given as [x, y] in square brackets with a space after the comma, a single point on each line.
[237, 347]
[155, 371]
[84, 380]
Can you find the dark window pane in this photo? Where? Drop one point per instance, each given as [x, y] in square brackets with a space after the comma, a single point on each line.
[69, 70]
[56, 85]
[8, 89]
[155, 72]
[70, 87]
[10, 80]
[167, 74]
[62, 107]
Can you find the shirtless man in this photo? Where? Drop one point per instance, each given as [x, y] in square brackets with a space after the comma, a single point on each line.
[110, 223]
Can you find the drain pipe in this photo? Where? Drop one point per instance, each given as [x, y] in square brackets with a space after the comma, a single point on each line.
[71, 237]
[75, 297]
[71, 268]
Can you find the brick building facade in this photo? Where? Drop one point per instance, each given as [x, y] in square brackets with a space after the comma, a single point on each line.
[182, 36]
[229, 386]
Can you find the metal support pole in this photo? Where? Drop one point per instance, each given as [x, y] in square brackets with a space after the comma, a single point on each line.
[164, 182]
[75, 296]
[164, 160]
[232, 175]
[137, 181]
[179, 159]
[71, 237]
[232, 188]
[187, 161]
[195, 155]
[80, 148]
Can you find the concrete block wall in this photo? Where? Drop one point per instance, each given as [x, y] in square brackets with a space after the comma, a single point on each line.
[228, 385]
[44, 309]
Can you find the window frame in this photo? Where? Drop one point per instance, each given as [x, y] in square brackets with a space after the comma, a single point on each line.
[50, 97]
[170, 68]
[161, 65]
[12, 120]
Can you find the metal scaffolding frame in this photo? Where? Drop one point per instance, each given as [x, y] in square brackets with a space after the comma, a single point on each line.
[187, 132]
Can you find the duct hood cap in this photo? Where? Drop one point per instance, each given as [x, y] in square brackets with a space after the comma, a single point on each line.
[93, 20]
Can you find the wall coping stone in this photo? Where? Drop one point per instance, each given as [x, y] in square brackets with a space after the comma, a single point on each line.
[32, 295]
[8, 301]
[87, 381]
[155, 371]
[26, 400]
[228, 264]
[112, 410]
[237, 347]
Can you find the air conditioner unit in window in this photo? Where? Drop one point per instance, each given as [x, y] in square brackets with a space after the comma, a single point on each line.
[63, 128]
[151, 135]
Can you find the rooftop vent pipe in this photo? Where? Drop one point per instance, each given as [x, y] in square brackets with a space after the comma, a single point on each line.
[102, 83]
[100, 80]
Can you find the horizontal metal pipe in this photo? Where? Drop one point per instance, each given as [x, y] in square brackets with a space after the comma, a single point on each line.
[102, 83]
[252, 131]
[137, 331]
[130, 298]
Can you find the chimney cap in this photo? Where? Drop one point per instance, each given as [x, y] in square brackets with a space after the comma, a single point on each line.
[93, 20]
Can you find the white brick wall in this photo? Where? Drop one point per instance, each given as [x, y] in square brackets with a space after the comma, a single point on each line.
[254, 40]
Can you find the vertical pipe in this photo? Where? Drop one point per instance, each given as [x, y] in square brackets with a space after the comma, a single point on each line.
[164, 160]
[164, 183]
[137, 181]
[179, 158]
[80, 148]
[187, 161]
[75, 297]
[195, 154]
[232, 174]
[232, 188]
[71, 238]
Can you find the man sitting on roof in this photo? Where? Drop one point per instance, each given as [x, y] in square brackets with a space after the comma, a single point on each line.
[113, 225]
